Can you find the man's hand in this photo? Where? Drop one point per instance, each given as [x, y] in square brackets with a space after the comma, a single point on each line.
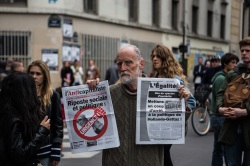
[92, 83]
[99, 112]
[234, 113]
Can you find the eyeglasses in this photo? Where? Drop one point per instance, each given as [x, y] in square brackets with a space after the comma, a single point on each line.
[247, 51]
[35, 73]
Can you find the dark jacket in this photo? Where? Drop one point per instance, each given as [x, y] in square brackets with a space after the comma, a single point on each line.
[197, 73]
[112, 75]
[228, 132]
[67, 71]
[19, 147]
[54, 140]
[210, 72]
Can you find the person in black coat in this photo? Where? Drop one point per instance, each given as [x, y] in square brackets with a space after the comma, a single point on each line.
[210, 72]
[23, 127]
[67, 75]
[198, 73]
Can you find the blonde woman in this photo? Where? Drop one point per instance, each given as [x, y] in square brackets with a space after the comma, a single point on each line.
[50, 152]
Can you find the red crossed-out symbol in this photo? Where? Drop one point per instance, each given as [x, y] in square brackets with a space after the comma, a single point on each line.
[98, 114]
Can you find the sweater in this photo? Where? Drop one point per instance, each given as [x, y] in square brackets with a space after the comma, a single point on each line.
[129, 154]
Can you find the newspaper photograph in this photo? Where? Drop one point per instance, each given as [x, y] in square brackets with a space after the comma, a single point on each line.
[160, 116]
[90, 118]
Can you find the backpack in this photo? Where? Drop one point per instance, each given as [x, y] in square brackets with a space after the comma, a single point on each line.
[238, 92]
[202, 92]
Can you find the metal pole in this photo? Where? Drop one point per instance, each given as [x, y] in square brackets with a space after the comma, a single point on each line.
[184, 36]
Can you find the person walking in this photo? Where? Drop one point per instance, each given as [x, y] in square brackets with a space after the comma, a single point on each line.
[164, 65]
[130, 64]
[228, 62]
[92, 71]
[23, 127]
[50, 152]
[67, 75]
[198, 73]
[112, 74]
[78, 73]
[235, 132]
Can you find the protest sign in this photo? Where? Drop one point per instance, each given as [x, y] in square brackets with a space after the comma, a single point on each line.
[90, 118]
[160, 117]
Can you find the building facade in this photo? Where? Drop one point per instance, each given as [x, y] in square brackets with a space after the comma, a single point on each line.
[59, 30]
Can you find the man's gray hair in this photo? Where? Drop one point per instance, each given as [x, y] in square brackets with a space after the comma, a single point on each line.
[136, 50]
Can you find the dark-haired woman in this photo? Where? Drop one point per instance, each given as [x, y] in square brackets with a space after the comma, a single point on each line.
[23, 127]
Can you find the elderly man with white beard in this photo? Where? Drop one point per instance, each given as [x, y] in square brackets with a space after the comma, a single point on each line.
[130, 64]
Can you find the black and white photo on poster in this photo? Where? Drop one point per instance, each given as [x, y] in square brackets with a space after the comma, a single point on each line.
[50, 57]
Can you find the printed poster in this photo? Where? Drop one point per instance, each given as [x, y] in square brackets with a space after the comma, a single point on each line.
[160, 116]
[90, 118]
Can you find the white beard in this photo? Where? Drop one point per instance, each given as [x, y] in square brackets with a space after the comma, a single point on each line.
[128, 78]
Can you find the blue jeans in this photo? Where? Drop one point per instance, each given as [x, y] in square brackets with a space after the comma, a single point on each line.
[233, 153]
[216, 124]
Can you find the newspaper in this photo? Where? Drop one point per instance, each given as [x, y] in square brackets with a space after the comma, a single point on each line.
[160, 116]
[90, 118]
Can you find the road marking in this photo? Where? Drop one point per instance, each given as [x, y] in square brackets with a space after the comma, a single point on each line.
[69, 155]
[66, 145]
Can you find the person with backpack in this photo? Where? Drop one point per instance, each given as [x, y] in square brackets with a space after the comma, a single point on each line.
[233, 102]
[228, 62]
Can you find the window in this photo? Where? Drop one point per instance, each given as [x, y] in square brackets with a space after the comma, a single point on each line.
[222, 26]
[15, 45]
[101, 49]
[174, 14]
[145, 48]
[209, 23]
[13, 3]
[133, 10]
[90, 6]
[155, 12]
[194, 19]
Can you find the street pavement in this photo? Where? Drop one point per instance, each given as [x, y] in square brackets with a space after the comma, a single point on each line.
[197, 151]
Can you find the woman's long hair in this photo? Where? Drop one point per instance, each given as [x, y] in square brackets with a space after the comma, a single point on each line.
[18, 98]
[170, 67]
[46, 91]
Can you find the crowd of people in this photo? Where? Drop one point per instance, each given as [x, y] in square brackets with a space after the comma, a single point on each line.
[230, 104]
[31, 117]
